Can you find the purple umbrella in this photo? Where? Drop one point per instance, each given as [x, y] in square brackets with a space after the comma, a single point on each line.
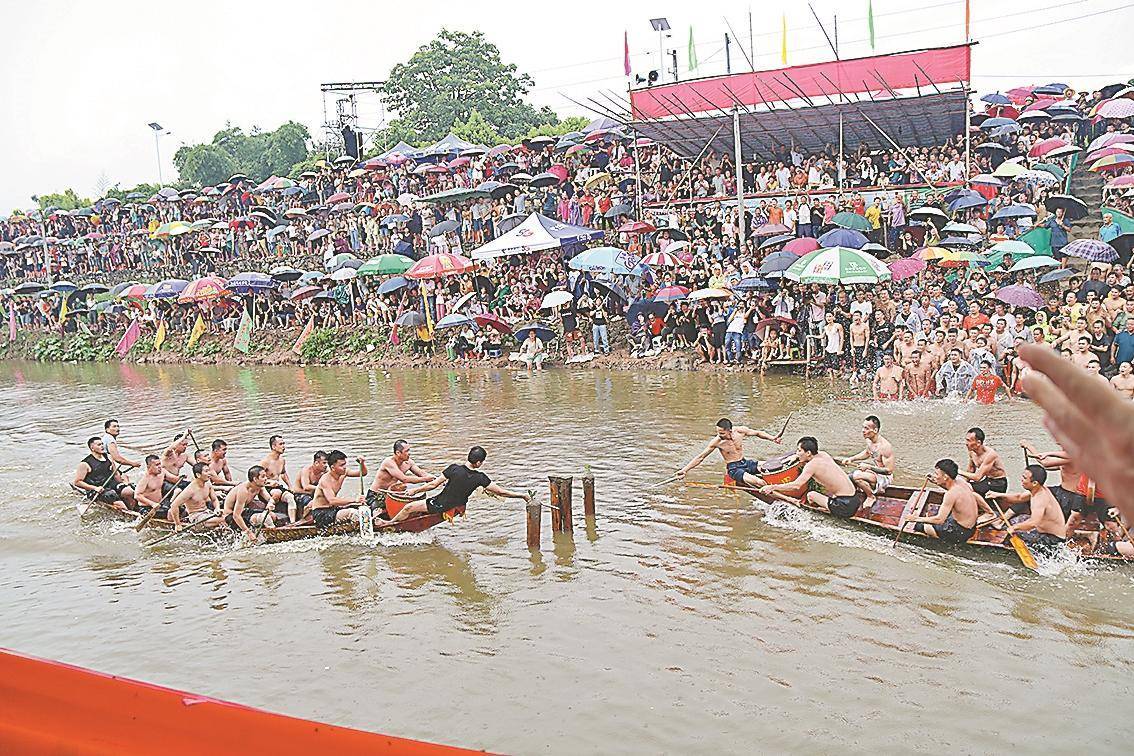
[843, 237]
[251, 283]
[1093, 250]
[1019, 296]
[907, 267]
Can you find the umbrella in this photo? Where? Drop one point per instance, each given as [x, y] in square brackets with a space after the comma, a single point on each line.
[635, 227]
[1012, 247]
[1019, 296]
[986, 179]
[606, 260]
[1033, 262]
[931, 253]
[997, 123]
[1014, 211]
[661, 260]
[385, 265]
[390, 220]
[770, 229]
[1056, 276]
[541, 180]
[518, 178]
[318, 234]
[543, 331]
[776, 263]
[602, 178]
[132, 291]
[345, 273]
[671, 294]
[27, 289]
[285, 273]
[1111, 162]
[1009, 169]
[1065, 151]
[996, 99]
[962, 258]
[838, 265]
[1074, 207]
[455, 320]
[1044, 146]
[392, 285]
[338, 197]
[960, 228]
[617, 210]
[305, 293]
[803, 245]
[94, 288]
[1117, 108]
[203, 289]
[907, 267]
[1092, 249]
[929, 213]
[340, 259]
[492, 321]
[967, 201]
[991, 147]
[612, 289]
[709, 294]
[413, 319]
[773, 241]
[63, 287]
[956, 241]
[556, 299]
[675, 234]
[167, 289]
[842, 237]
[852, 220]
[444, 227]
[251, 282]
[438, 265]
[762, 327]
[753, 283]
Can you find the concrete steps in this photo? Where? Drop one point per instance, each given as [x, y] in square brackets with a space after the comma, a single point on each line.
[1088, 187]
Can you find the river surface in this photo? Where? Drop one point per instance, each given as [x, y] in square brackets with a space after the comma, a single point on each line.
[684, 621]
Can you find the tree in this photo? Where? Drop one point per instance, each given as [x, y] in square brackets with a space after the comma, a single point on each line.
[558, 128]
[259, 154]
[66, 200]
[477, 130]
[445, 80]
[204, 164]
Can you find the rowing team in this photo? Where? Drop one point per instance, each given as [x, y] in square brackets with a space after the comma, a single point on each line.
[209, 497]
[1054, 513]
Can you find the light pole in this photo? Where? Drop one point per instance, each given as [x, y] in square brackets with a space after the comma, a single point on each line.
[661, 26]
[157, 129]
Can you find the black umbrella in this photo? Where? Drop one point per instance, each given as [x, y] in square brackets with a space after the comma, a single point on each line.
[509, 222]
[443, 227]
[495, 189]
[618, 210]
[645, 307]
[612, 288]
[1124, 245]
[1074, 207]
[541, 180]
[626, 184]
[543, 331]
[600, 160]
[773, 241]
[675, 234]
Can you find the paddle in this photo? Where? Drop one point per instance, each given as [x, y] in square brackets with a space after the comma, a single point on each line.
[1026, 557]
[365, 516]
[92, 495]
[183, 531]
[780, 435]
[665, 482]
[908, 510]
[150, 515]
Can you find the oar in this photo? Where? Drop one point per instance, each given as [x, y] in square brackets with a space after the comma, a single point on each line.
[150, 515]
[665, 482]
[183, 531]
[784, 429]
[193, 438]
[92, 495]
[1026, 557]
[365, 525]
[907, 510]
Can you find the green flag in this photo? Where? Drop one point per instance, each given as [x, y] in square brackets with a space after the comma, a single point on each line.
[692, 51]
[243, 340]
[1039, 239]
[870, 20]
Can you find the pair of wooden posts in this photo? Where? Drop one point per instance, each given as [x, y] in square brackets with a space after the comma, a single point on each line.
[560, 507]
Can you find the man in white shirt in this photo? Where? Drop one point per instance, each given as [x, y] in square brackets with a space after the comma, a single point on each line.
[803, 218]
[783, 176]
[862, 305]
[783, 305]
[790, 217]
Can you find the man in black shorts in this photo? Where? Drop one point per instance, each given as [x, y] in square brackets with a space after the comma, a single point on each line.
[460, 482]
[842, 499]
[955, 521]
[100, 478]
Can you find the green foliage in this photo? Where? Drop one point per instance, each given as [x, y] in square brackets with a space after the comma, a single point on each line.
[66, 200]
[80, 347]
[559, 128]
[147, 189]
[258, 154]
[477, 130]
[321, 346]
[456, 73]
[204, 164]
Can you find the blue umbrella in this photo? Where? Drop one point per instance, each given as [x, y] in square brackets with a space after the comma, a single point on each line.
[843, 237]
[403, 248]
[251, 283]
[413, 319]
[1057, 275]
[996, 99]
[392, 285]
[63, 286]
[390, 220]
[753, 283]
[455, 320]
[167, 289]
[606, 260]
[1014, 211]
[543, 331]
[966, 201]
[997, 123]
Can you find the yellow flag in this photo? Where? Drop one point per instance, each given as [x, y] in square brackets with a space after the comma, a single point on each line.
[198, 330]
[63, 310]
[783, 38]
[159, 337]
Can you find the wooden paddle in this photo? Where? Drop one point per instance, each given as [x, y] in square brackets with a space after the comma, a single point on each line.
[150, 515]
[92, 495]
[665, 482]
[185, 530]
[1026, 556]
[784, 429]
[908, 510]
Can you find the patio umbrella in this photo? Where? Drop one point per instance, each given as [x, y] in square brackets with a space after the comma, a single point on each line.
[392, 285]
[671, 294]
[838, 265]
[203, 289]
[907, 267]
[1074, 207]
[543, 331]
[606, 260]
[803, 245]
[842, 237]
[412, 319]
[251, 282]
[167, 289]
[1019, 296]
[488, 320]
[852, 221]
[385, 265]
[438, 265]
[1093, 250]
[555, 299]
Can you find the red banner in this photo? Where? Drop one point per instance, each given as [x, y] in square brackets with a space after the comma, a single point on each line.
[817, 81]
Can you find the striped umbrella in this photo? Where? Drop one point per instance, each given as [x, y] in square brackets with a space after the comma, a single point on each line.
[661, 260]
[671, 294]
[838, 265]
[438, 265]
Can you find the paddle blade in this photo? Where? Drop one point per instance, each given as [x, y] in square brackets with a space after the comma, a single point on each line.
[1026, 557]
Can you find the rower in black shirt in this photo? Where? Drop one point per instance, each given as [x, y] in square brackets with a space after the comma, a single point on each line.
[460, 482]
[101, 478]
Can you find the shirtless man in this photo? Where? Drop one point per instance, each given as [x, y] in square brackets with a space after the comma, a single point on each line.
[955, 521]
[101, 478]
[986, 471]
[279, 484]
[395, 472]
[327, 507]
[1081, 352]
[149, 489]
[199, 500]
[219, 473]
[246, 504]
[919, 374]
[859, 339]
[937, 350]
[842, 498]
[111, 429]
[1045, 528]
[173, 459]
[308, 479]
[874, 475]
[1123, 383]
[729, 441]
[889, 381]
[904, 348]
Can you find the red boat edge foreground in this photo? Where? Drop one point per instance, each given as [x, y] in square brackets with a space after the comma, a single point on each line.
[50, 707]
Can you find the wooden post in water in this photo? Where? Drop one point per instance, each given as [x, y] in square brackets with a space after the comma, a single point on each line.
[561, 499]
[589, 496]
[534, 519]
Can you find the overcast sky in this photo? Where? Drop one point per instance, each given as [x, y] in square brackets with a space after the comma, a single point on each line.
[81, 80]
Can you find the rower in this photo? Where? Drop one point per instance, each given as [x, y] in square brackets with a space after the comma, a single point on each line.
[240, 508]
[729, 441]
[198, 499]
[843, 498]
[395, 472]
[1045, 528]
[327, 507]
[111, 429]
[308, 479]
[955, 521]
[1067, 492]
[219, 472]
[460, 482]
[101, 478]
[173, 459]
[1091, 502]
[986, 471]
[279, 484]
[148, 492]
[874, 476]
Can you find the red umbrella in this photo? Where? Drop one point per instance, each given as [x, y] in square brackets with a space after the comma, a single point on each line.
[636, 227]
[436, 266]
[305, 293]
[338, 197]
[1039, 149]
[1105, 152]
[802, 245]
[202, 289]
[492, 321]
[460, 162]
[239, 223]
[907, 267]
[671, 294]
[1020, 94]
[559, 171]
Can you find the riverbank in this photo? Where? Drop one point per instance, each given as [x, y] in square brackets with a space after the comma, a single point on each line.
[363, 346]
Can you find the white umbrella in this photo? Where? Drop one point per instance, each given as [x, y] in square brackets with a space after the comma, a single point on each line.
[556, 299]
[960, 228]
[464, 300]
[344, 274]
[710, 294]
[838, 265]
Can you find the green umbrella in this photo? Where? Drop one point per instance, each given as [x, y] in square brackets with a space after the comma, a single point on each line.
[834, 265]
[1054, 170]
[852, 221]
[385, 265]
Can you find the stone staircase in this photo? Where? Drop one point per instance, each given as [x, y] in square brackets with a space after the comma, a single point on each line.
[1088, 187]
